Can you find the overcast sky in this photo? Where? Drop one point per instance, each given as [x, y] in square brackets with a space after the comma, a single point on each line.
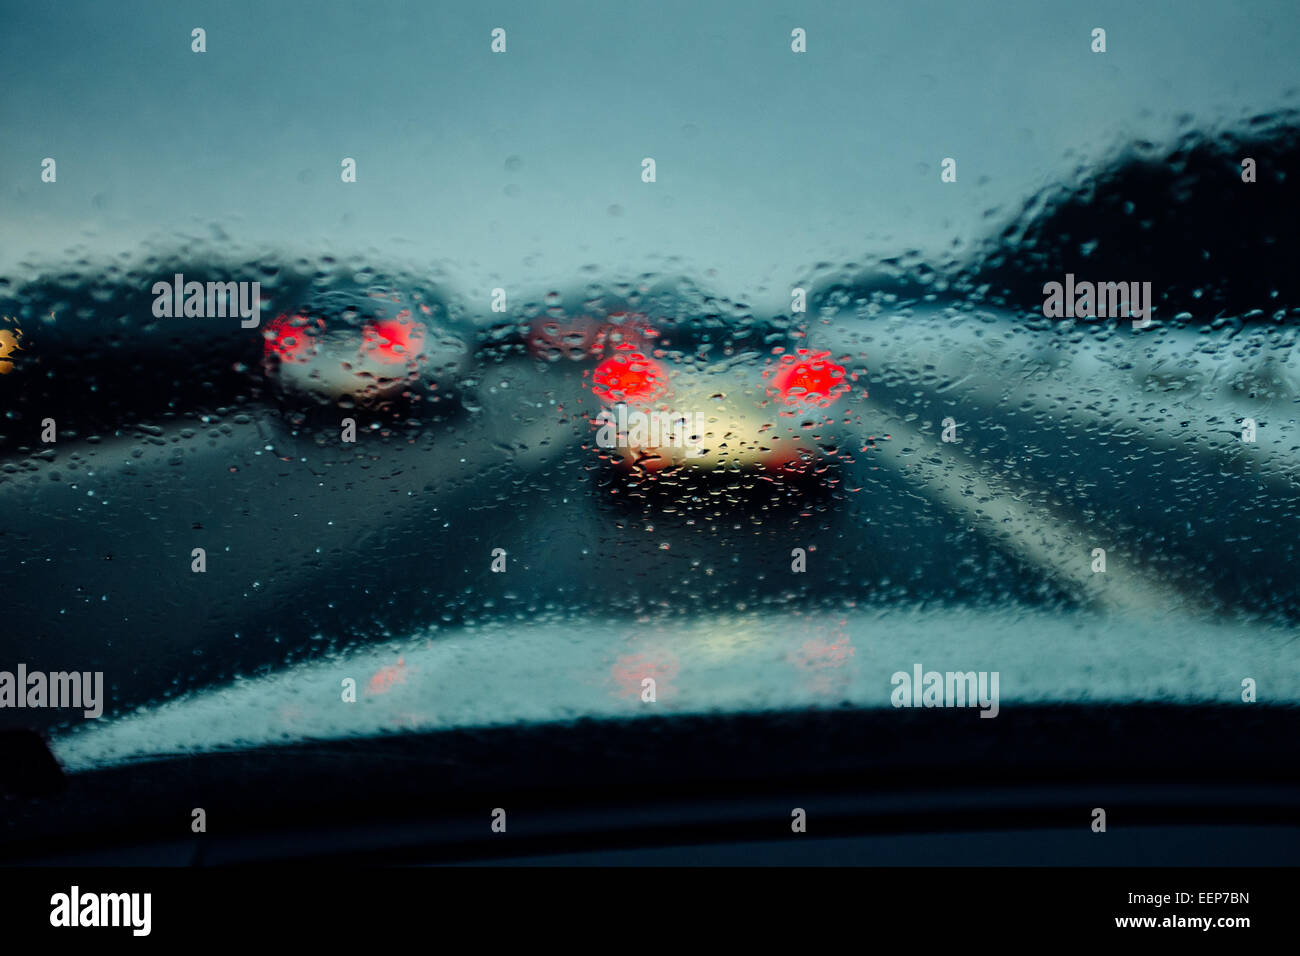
[519, 169]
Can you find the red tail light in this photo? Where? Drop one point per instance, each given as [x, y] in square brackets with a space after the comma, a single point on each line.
[393, 341]
[808, 378]
[629, 377]
[287, 338]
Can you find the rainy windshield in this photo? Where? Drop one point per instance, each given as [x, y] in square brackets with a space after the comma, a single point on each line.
[438, 396]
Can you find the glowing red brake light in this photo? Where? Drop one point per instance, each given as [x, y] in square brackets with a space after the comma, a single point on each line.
[629, 377]
[393, 341]
[287, 338]
[808, 378]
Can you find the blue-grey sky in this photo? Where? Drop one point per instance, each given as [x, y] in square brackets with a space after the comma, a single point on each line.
[520, 169]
